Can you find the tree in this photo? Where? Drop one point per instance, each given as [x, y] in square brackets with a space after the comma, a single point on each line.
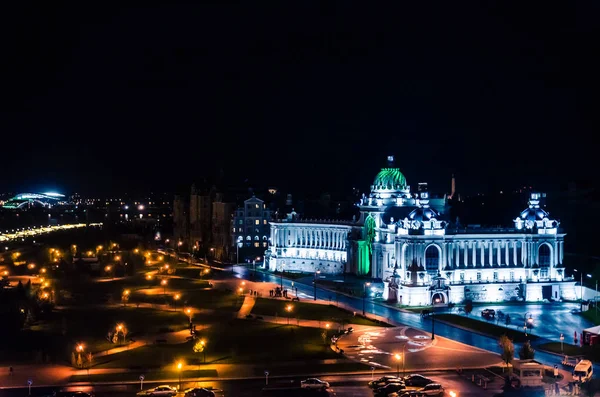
[79, 361]
[508, 349]
[198, 346]
[507, 320]
[526, 352]
[468, 306]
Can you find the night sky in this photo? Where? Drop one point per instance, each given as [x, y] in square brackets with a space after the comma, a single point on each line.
[108, 98]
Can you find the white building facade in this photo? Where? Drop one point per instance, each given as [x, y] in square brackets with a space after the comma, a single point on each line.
[402, 238]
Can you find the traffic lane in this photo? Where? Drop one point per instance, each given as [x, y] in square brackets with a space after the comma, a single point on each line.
[341, 385]
[410, 319]
[549, 320]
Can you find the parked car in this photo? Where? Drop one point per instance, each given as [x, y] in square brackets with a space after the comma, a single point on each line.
[384, 380]
[314, 383]
[417, 380]
[162, 391]
[432, 389]
[199, 392]
[488, 313]
[388, 389]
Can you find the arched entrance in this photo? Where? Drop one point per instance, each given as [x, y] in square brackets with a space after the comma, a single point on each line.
[432, 259]
[438, 298]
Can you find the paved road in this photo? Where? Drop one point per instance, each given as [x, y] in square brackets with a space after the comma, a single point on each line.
[549, 320]
[401, 317]
[348, 385]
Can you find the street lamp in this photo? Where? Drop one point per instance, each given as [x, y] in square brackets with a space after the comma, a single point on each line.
[164, 282]
[203, 344]
[562, 338]
[179, 366]
[125, 296]
[527, 322]
[398, 357]
[189, 312]
[315, 283]
[365, 295]
[437, 300]
[289, 308]
[176, 298]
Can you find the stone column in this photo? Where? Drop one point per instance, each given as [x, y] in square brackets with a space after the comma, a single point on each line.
[490, 249]
[474, 250]
[514, 244]
[561, 253]
[506, 242]
[466, 253]
[498, 252]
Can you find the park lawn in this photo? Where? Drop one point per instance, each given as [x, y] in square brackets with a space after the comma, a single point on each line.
[589, 352]
[484, 327]
[592, 316]
[308, 311]
[231, 342]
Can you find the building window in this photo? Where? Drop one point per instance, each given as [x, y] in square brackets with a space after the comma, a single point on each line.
[257, 222]
[241, 222]
[248, 238]
[462, 277]
[256, 245]
[256, 206]
[432, 259]
[255, 238]
[264, 244]
[495, 276]
[544, 256]
[478, 276]
[512, 276]
[264, 221]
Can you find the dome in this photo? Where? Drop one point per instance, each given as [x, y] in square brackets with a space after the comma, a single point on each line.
[390, 179]
[423, 214]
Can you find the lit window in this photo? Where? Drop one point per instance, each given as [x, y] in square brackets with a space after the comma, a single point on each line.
[264, 221]
[264, 244]
[233, 230]
[241, 221]
[256, 245]
[257, 222]
[256, 206]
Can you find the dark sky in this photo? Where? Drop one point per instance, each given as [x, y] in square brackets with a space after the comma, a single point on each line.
[99, 97]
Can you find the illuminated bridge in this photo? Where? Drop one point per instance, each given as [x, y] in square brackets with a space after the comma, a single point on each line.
[25, 200]
[23, 233]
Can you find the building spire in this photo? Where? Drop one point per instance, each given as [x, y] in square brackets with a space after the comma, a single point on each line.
[390, 161]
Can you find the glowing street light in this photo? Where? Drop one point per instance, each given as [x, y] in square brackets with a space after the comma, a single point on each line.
[289, 309]
[203, 344]
[365, 295]
[164, 283]
[398, 357]
[176, 298]
[179, 367]
[80, 347]
[189, 313]
[136, 251]
[43, 270]
[118, 258]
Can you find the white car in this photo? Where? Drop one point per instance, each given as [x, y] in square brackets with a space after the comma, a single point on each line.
[432, 389]
[314, 383]
[159, 391]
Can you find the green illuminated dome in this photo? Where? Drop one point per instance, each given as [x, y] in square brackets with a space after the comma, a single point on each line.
[390, 179]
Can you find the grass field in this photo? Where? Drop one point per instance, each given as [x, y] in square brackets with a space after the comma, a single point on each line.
[589, 352]
[484, 327]
[307, 311]
[235, 341]
[149, 376]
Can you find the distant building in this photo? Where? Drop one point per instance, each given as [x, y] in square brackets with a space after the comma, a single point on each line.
[250, 229]
[221, 245]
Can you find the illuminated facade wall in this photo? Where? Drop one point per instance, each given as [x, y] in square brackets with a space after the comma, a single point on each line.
[308, 247]
[402, 238]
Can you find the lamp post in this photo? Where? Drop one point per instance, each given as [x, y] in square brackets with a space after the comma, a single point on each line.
[203, 343]
[179, 366]
[398, 357]
[562, 338]
[527, 322]
[404, 360]
[164, 282]
[289, 308]
[365, 285]
[176, 298]
[437, 300]
[315, 284]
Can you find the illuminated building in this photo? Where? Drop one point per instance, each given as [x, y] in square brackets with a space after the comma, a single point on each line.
[26, 200]
[250, 227]
[404, 239]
